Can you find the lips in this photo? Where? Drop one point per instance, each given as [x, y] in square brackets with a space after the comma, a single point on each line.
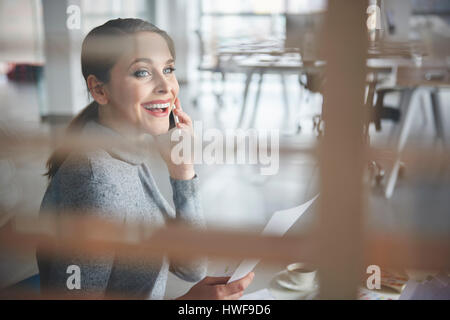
[158, 112]
[157, 102]
[157, 108]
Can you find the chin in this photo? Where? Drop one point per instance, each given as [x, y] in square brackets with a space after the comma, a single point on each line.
[157, 130]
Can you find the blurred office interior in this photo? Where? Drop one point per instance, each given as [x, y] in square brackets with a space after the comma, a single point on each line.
[237, 69]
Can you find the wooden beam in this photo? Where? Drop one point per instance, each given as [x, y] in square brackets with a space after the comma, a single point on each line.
[94, 235]
[340, 216]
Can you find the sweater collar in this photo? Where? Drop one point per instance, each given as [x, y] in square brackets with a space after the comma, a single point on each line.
[132, 151]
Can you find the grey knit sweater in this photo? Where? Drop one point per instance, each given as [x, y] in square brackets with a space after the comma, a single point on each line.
[118, 184]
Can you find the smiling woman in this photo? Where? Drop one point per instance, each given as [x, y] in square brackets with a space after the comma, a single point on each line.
[141, 81]
[128, 65]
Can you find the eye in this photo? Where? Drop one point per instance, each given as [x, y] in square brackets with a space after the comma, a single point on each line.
[169, 70]
[141, 73]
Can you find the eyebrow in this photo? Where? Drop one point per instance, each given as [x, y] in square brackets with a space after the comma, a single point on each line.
[147, 60]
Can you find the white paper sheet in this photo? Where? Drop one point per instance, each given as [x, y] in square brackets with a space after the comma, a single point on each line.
[434, 288]
[278, 225]
[263, 294]
[225, 269]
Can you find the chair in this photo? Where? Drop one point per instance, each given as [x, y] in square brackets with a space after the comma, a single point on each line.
[404, 114]
[302, 33]
[209, 63]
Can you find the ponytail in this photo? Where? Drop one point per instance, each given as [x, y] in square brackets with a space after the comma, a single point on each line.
[90, 112]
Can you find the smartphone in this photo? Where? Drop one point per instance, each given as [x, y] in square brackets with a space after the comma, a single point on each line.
[171, 120]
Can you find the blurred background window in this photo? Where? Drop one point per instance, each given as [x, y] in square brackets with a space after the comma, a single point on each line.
[21, 31]
[98, 12]
[227, 22]
[440, 7]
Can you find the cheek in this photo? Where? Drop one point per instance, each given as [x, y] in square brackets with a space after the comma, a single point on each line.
[176, 86]
[133, 93]
[129, 96]
[121, 95]
[138, 93]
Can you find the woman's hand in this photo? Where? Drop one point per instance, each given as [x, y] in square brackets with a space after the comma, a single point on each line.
[179, 171]
[216, 288]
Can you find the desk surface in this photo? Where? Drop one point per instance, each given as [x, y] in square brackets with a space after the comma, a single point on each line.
[266, 275]
[434, 76]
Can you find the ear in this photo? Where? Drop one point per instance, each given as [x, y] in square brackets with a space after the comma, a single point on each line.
[97, 90]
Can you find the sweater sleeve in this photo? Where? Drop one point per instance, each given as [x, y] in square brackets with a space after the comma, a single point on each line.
[187, 201]
[77, 191]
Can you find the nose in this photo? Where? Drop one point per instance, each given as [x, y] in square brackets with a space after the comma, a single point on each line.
[162, 85]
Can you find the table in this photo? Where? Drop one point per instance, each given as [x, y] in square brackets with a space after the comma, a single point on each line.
[265, 277]
[273, 58]
[264, 62]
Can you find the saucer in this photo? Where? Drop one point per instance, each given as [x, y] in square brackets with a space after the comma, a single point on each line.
[283, 280]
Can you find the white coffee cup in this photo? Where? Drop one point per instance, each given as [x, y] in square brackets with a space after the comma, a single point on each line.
[301, 274]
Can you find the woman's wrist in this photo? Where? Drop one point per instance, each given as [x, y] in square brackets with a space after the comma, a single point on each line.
[181, 173]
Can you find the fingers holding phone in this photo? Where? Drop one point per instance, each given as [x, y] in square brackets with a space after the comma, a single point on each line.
[182, 119]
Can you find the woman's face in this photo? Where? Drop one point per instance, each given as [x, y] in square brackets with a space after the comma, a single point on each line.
[143, 86]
